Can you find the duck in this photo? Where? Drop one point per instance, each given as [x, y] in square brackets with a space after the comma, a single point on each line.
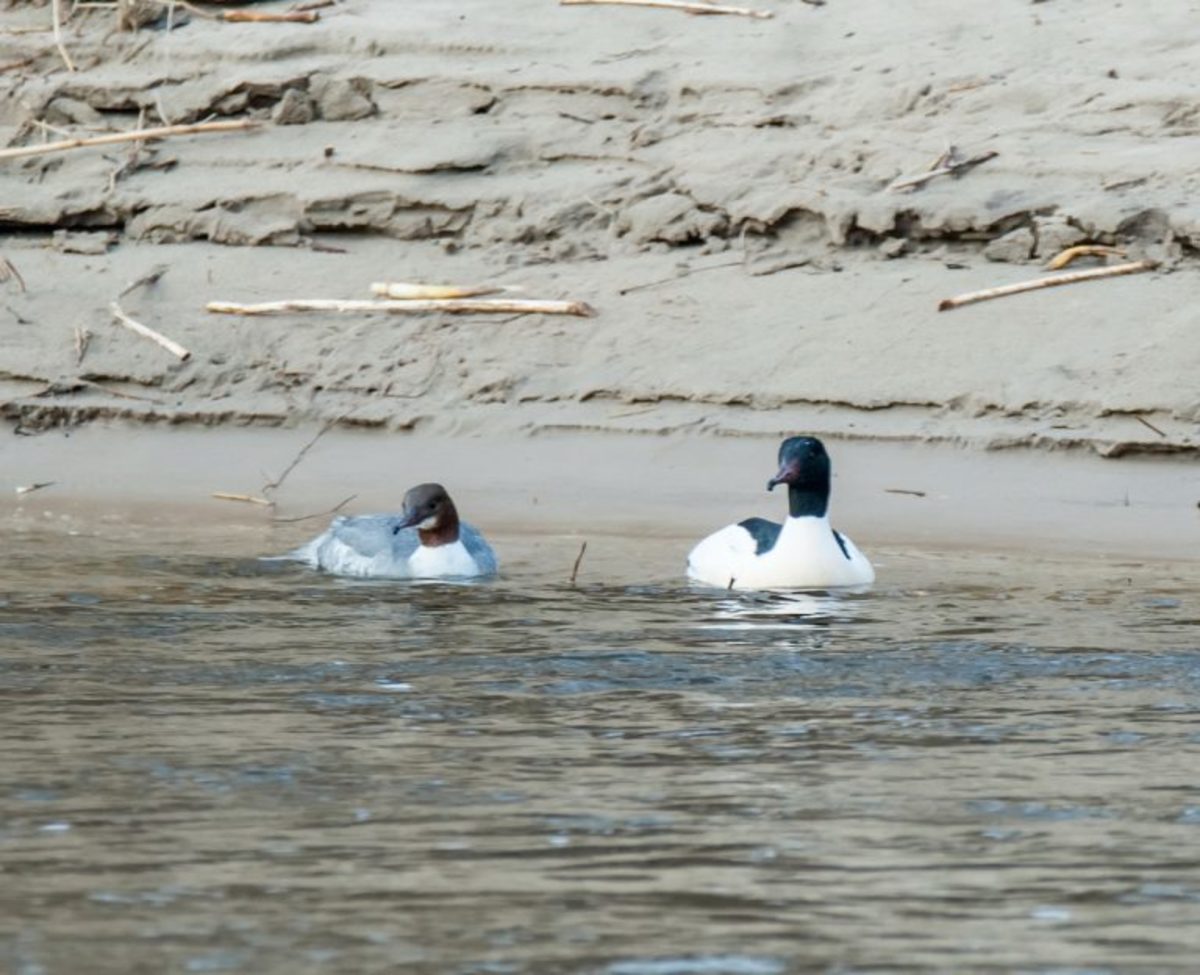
[425, 540]
[805, 552]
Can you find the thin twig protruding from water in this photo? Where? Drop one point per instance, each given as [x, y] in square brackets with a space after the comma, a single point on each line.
[578, 560]
[278, 482]
[320, 514]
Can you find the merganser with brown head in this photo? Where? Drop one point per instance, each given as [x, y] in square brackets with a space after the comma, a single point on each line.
[425, 541]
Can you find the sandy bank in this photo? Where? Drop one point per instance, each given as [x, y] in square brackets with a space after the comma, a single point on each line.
[733, 173]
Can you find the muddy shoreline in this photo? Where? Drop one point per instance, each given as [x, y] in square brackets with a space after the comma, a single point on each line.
[569, 487]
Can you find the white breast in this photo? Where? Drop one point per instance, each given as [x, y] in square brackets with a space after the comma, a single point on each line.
[805, 556]
[442, 560]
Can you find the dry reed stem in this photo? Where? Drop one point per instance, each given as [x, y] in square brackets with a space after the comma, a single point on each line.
[1083, 250]
[403, 291]
[56, 13]
[951, 169]
[146, 332]
[1134, 267]
[138, 135]
[456, 306]
[684, 5]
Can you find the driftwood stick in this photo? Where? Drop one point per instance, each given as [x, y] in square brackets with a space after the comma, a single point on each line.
[24, 489]
[451, 305]
[257, 17]
[951, 169]
[1134, 267]
[56, 13]
[403, 291]
[245, 498]
[684, 5]
[138, 135]
[1083, 250]
[169, 344]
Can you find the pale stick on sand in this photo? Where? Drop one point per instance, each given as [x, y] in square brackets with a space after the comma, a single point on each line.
[691, 8]
[169, 344]
[1083, 250]
[287, 17]
[138, 135]
[950, 169]
[458, 306]
[1013, 289]
[246, 498]
[56, 13]
[403, 291]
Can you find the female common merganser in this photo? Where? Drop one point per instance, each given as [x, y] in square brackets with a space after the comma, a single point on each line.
[802, 553]
[425, 541]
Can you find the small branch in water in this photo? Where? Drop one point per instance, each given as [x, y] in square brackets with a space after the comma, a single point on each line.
[30, 488]
[320, 514]
[729, 587]
[578, 560]
[915, 494]
[278, 482]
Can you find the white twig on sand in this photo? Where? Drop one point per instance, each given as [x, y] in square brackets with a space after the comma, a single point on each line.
[169, 344]
[458, 306]
[244, 498]
[138, 135]
[403, 291]
[56, 13]
[1082, 250]
[987, 294]
[950, 169]
[83, 336]
[684, 5]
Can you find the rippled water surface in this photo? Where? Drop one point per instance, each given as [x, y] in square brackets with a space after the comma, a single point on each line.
[215, 765]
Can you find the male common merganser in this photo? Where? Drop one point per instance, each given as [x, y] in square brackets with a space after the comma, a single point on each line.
[425, 541]
[802, 553]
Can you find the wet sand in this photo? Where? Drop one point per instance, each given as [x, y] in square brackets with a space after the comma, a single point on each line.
[573, 487]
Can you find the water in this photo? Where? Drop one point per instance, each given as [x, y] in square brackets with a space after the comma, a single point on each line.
[214, 765]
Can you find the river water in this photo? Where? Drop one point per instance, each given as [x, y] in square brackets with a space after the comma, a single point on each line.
[212, 764]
